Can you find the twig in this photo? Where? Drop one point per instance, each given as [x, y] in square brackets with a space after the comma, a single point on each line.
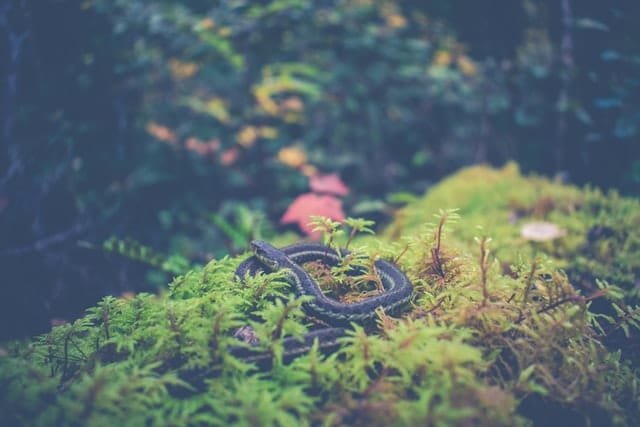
[483, 269]
[435, 307]
[435, 251]
[402, 252]
[572, 298]
[529, 283]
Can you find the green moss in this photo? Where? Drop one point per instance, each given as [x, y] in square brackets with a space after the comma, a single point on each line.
[479, 345]
[602, 238]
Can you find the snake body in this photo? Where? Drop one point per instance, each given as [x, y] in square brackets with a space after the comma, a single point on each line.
[397, 292]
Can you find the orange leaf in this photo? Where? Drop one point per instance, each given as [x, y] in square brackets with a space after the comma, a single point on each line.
[292, 156]
[310, 204]
[182, 70]
[162, 133]
[330, 184]
[442, 58]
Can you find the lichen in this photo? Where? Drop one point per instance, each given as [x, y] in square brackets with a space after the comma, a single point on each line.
[496, 334]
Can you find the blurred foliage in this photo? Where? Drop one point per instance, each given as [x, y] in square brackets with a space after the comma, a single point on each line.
[190, 126]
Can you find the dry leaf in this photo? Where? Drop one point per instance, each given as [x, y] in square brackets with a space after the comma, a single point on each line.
[182, 70]
[292, 156]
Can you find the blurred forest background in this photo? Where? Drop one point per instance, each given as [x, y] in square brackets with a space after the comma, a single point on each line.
[173, 132]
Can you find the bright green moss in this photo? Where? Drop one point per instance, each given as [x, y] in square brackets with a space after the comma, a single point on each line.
[602, 239]
[480, 345]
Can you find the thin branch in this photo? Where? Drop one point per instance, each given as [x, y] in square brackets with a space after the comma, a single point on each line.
[44, 243]
[401, 254]
[529, 283]
[572, 298]
[484, 266]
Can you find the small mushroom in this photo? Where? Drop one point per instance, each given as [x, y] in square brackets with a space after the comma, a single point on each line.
[540, 231]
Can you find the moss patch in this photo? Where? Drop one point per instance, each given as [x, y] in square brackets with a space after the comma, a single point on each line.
[602, 238]
[479, 345]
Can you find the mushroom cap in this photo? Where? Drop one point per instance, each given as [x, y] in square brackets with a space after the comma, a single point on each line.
[540, 231]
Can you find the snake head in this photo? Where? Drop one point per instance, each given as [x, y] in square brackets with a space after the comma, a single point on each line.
[271, 257]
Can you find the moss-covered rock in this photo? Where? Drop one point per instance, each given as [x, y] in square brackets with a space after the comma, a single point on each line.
[600, 232]
[480, 344]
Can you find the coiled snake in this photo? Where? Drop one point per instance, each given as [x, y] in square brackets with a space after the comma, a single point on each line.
[339, 316]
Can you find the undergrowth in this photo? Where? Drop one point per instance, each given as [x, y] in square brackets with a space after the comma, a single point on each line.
[478, 345]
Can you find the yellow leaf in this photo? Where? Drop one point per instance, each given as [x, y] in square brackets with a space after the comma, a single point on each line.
[396, 21]
[247, 136]
[268, 132]
[217, 107]
[442, 59]
[293, 156]
[265, 101]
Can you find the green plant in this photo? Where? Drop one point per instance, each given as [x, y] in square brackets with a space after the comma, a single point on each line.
[471, 349]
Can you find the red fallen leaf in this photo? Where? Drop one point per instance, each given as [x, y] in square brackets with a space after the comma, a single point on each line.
[310, 204]
[330, 184]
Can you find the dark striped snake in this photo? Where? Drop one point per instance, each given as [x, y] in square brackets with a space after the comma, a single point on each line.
[338, 316]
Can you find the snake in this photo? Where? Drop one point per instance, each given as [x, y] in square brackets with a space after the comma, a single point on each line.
[336, 315]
